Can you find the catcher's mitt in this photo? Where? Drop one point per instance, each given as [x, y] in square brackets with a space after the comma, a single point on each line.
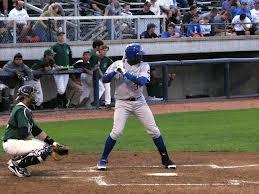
[59, 151]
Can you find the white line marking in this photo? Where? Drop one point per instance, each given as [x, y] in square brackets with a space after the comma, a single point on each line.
[238, 182]
[99, 181]
[161, 174]
[171, 184]
[196, 165]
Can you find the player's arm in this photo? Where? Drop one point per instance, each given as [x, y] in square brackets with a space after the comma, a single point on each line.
[108, 77]
[142, 80]
[110, 72]
[137, 80]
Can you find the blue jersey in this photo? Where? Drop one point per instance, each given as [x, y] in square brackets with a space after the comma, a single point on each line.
[193, 28]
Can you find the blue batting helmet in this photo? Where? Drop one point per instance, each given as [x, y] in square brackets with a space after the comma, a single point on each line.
[134, 50]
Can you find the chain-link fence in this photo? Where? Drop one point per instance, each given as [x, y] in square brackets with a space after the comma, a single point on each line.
[83, 28]
[88, 28]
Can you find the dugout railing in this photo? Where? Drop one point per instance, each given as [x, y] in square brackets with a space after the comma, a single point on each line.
[227, 62]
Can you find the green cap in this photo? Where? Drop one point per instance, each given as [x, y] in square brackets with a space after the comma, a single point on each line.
[48, 52]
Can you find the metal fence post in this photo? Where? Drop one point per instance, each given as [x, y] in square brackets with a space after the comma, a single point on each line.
[14, 32]
[96, 88]
[112, 29]
[138, 32]
[165, 81]
[226, 80]
[65, 29]
[49, 31]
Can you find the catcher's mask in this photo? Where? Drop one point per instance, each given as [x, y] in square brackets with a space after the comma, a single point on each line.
[28, 91]
[134, 53]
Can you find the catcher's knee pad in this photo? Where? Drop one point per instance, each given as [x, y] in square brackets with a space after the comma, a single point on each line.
[35, 157]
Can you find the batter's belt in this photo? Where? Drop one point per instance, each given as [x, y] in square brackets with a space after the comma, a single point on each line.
[132, 98]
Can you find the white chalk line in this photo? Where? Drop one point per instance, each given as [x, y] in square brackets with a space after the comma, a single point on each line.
[99, 181]
[195, 165]
[161, 174]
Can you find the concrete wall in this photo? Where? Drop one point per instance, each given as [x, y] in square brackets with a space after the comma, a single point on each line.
[153, 47]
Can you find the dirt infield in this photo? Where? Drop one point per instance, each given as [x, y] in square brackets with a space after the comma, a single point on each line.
[141, 172]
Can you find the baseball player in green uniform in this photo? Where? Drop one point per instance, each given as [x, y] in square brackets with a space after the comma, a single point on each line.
[63, 58]
[18, 138]
[130, 76]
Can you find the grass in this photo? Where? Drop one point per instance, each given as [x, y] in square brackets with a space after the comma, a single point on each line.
[235, 130]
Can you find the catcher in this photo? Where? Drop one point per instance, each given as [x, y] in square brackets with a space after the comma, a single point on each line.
[18, 138]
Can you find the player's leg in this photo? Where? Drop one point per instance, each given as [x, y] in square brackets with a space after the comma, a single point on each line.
[146, 117]
[101, 88]
[107, 94]
[85, 96]
[38, 94]
[27, 152]
[121, 113]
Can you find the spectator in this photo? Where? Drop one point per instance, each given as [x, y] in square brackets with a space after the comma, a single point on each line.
[210, 15]
[187, 17]
[104, 63]
[182, 3]
[173, 17]
[146, 9]
[219, 24]
[194, 28]
[113, 9]
[244, 9]
[230, 6]
[86, 79]
[255, 17]
[62, 58]
[51, 3]
[250, 4]
[42, 27]
[171, 32]
[168, 5]
[126, 25]
[205, 26]
[150, 32]
[4, 96]
[87, 7]
[155, 8]
[45, 64]
[155, 86]
[5, 34]
[23, 74]
[242, 24]
[21, 17]
[6, 6]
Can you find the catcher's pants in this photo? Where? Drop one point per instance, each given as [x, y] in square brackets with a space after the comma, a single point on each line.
[17, 147]
[61, 82]
[38, 94]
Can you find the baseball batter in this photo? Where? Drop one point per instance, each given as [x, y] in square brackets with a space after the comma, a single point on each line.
[130, 76]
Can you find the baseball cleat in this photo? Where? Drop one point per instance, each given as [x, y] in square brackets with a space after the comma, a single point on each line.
[18, 171]
[169, 164]
[102, 164]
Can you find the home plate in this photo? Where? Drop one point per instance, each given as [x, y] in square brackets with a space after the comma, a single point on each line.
[162, 174]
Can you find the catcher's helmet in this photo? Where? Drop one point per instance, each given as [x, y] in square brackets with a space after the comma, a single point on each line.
[133, 50]
[28, 91]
